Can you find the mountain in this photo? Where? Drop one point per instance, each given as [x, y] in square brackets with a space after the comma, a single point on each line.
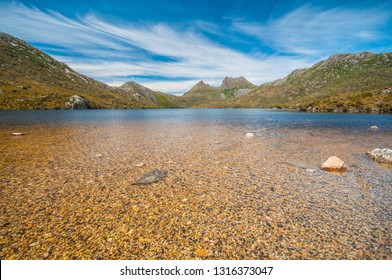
[240, 82]
[358, 82]
[140, 92]
[31, 79]
[203, 94]
[200, 87]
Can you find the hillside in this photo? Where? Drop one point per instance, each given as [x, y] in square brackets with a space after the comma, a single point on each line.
[140, 92]
[359, 82]
[31, 79]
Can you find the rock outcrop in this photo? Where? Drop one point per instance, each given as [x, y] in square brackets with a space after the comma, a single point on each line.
[199, 87]
[138, 91]
[381, 155]
[77, 102]
[240, 82]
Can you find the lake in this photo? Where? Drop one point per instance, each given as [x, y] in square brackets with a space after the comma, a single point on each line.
[241, 117]
[66, 187]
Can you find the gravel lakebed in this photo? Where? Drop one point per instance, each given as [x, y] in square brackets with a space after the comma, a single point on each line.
[66, 192]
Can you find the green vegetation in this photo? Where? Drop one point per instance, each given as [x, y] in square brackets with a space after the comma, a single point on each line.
[362, 82]
[30, 79]
[167, 101]
[375, 101]
[343, 83]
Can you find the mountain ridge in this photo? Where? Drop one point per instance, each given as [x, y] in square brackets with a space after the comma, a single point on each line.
[200, 86]
[359, 82]
[239, 82]
[31, 79]
[202, 93]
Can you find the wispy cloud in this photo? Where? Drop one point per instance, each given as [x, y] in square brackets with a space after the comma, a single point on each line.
[113, 52]
[103, 50]
[314, 31]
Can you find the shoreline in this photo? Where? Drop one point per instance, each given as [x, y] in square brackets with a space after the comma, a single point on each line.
[294, 110]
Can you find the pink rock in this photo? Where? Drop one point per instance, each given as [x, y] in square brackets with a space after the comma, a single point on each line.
[334, 164]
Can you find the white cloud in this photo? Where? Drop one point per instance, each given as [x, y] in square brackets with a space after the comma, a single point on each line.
[51, 28]
[312, 31]
[111, 52]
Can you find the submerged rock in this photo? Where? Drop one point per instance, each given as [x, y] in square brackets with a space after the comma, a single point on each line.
[309, 170]
[150, 177]
[19, 134]
[77, 102]
[381, 155]
[334, 164]
[374, 127]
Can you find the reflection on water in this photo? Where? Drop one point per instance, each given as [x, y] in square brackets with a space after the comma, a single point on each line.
[240, 117]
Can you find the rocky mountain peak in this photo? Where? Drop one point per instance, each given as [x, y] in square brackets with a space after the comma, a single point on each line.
[229, 83]
[131, 85]
[200, 86]
[345, 59]
[137, 90]
[12, 40]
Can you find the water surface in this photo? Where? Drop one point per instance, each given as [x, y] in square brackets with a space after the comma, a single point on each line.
[240, 117]
[66, 187]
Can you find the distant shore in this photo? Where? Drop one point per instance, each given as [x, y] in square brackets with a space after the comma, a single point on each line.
[307, 110]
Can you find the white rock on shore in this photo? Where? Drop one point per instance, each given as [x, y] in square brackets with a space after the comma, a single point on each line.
[381, 155]
[334, 164]
[249, 135]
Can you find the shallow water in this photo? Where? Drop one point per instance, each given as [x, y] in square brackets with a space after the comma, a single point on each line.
[66, 187]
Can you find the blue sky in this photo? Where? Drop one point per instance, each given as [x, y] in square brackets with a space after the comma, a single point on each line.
[171, 45]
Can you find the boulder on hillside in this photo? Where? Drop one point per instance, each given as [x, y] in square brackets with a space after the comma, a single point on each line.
[77, 102]
[381, 155]
[334, 164]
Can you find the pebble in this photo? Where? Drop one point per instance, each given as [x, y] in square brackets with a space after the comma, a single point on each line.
[78, 208]
[201, 252]
[19, 134]
[249, 135]
[140, 164]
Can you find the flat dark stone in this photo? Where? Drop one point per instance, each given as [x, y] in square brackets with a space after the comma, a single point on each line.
[151, 177]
